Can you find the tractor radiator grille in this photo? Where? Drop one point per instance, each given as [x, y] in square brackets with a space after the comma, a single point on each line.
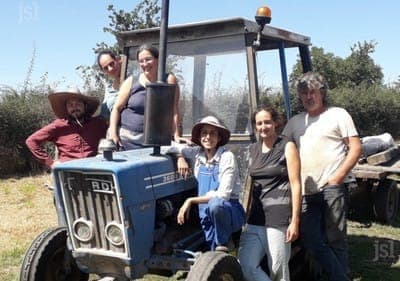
[91, 201]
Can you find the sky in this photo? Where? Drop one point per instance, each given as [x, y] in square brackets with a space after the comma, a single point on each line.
[63, 33]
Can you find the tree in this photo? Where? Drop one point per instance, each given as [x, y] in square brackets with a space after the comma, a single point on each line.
[376, 110]
[21, 113]
[327, 64]
[396, 84]
[358, 68]
[144, 15]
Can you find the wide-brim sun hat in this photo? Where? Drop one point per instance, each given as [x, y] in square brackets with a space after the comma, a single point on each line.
[223, 132]
[58, 101]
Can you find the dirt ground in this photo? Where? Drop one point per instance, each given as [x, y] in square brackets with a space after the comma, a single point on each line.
[26, 209]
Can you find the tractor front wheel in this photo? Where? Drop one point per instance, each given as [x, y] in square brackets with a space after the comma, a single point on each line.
[215, 266]
[48, 259]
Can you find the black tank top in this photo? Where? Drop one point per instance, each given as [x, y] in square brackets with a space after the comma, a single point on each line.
[271, 204]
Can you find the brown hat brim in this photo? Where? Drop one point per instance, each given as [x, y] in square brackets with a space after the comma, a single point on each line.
[223, 132]
[58, 103]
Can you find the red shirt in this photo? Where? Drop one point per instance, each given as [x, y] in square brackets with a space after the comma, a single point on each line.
[71, 140]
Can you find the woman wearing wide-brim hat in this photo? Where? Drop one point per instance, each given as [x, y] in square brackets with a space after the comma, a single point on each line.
[216, 171]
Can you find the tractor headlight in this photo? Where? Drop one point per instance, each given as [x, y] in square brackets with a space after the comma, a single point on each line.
[114, 233]
[83, 230]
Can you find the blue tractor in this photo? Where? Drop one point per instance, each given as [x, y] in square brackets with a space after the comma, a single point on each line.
[117, 211]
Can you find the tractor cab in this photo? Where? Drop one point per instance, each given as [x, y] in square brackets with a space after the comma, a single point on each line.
[221, 65]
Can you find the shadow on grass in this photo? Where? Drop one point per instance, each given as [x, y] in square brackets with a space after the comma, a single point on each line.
[373, 258]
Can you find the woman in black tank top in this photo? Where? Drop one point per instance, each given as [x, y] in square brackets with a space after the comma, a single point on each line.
[274, 213]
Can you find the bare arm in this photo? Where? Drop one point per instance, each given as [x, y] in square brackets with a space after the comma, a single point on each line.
[120, 103]
[351, 159]
[293, 165]
[183, 167]
[182, 151]
[176, 117]
[183, 213]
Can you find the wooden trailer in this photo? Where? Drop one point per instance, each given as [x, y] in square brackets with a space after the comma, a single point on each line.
[377, 188]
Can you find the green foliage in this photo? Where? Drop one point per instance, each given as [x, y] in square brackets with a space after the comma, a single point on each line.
[144, 15]
[267, 97]
[357, 69]
[375, 110]
[92, 77]
[12, 257]
[327, 64]
[29, 72]
[276, 100]
[356, 84]
[20, 116]
[396, 84]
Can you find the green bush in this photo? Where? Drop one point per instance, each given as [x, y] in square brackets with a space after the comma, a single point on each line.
[375, 110]
[20, 116]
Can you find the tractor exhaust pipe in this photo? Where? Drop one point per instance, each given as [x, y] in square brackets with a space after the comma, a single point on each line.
[160, 96]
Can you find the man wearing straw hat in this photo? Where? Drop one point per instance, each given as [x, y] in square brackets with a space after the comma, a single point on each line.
[75, 133]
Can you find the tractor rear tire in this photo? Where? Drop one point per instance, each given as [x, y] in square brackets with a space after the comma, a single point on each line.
[45, 259]
[386, 201]
[215, 266]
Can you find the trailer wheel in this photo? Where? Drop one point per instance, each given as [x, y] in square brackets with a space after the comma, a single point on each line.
[215, 266]
[45, 259]
[386, 201]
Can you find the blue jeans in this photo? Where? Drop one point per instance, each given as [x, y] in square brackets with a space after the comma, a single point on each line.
[323, 229]
[219, 219]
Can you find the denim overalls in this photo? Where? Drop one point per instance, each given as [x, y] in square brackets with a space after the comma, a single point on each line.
[219, 218]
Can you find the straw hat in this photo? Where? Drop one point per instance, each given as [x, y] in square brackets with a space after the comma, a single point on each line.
[58, 102]
[223, 132]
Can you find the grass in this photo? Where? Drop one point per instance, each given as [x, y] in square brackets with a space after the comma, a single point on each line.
[374, 251]
[26, 209]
